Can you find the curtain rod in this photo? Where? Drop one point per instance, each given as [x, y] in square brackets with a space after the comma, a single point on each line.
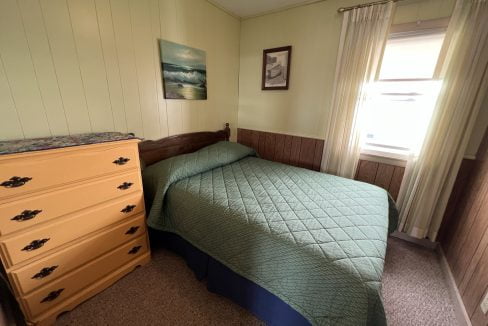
[342, 9]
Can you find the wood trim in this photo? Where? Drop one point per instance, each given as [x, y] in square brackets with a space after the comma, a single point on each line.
[464, 236]
[152, 151]
[459, 309]
[386, 176]
[299, 151]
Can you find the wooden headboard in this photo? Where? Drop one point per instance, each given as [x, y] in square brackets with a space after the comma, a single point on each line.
[152, 151]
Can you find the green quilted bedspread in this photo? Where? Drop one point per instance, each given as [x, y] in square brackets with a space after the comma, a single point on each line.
[315, 240]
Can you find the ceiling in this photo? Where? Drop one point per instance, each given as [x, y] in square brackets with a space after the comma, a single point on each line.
[251, 8]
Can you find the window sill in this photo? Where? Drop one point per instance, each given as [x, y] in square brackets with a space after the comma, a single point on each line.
[397, 156]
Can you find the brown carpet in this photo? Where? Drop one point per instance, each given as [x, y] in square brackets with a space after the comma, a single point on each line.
[165, 292]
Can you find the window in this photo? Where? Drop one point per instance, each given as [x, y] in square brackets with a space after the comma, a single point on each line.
[400, 103]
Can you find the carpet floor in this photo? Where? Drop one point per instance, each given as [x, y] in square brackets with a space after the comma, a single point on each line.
[165, 292]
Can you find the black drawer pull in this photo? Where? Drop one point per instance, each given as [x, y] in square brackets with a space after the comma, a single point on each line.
[52, 295]
[134, 250]
[121, 160]
[15, 182]
[125, 185]
[26, 215]
[128, 208]
[132, 230]
[46, 271]
[36, 244]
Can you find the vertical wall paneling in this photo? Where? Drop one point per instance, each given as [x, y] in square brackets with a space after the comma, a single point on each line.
[156, 35]
[47, 80]
[471, 206]
[144, 59]
[296, 142]
[449, 221]
[60, 37]
[287, 149]
[262, 145]
[20, 72]
[464, 236]
[189, 115]
[317, 158]
[475, 282]
[168, 20]
[124, 42]
[191, 32]
[92, 67]
[75, 66]
[367, 171]
[169, 11]
[477, 248]
[10, 121]
[109, 51]
[279, 145]
[254, 143]
[294, 150]
[307, 152]
[174, 117]
[386, 176]
[396, 181]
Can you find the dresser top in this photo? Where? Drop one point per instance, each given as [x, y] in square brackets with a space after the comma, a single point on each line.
[39, 144]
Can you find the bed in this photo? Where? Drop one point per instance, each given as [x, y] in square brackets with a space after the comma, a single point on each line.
[294, 246]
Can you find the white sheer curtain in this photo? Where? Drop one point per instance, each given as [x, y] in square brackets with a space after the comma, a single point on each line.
[430, 176]
[363, 37]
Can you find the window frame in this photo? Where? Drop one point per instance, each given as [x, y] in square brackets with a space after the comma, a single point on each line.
[419, 28]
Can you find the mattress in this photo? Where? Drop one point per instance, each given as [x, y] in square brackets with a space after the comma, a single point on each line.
[314, 240]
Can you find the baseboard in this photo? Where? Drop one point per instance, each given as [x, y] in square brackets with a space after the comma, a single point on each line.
[459, 309]
[421, 242]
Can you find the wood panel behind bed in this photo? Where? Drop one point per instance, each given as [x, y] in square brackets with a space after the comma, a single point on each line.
[307, 153]
[293, 150]
[152, 151]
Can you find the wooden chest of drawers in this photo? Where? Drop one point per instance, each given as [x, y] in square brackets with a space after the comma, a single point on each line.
[71, 223]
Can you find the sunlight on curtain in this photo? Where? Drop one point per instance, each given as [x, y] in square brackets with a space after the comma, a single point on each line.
[363, 36]
[430, 175]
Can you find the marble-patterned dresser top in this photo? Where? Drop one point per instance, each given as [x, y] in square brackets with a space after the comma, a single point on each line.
[39, 144]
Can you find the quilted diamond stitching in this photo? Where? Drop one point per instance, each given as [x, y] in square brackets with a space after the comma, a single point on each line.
[339, 220]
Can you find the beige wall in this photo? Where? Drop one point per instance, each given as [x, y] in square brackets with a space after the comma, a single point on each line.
[93, 65]
[313, 31]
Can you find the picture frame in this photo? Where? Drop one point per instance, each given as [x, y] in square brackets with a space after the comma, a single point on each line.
[276, 68]
[184, 71]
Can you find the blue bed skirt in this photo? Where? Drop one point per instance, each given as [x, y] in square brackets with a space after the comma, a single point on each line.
[221, 280]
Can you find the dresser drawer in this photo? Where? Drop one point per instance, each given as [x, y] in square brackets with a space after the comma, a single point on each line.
[20, 174]
[71, 284]
[45, 270]
[29, 244]
[18, 215]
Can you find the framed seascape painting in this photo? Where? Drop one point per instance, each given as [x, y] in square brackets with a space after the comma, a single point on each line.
[276, 68]
[184, 71]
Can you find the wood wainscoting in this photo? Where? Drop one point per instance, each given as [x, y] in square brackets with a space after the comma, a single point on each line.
[385, 173]
[307, 153]
[294, 150]
[464, 233]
